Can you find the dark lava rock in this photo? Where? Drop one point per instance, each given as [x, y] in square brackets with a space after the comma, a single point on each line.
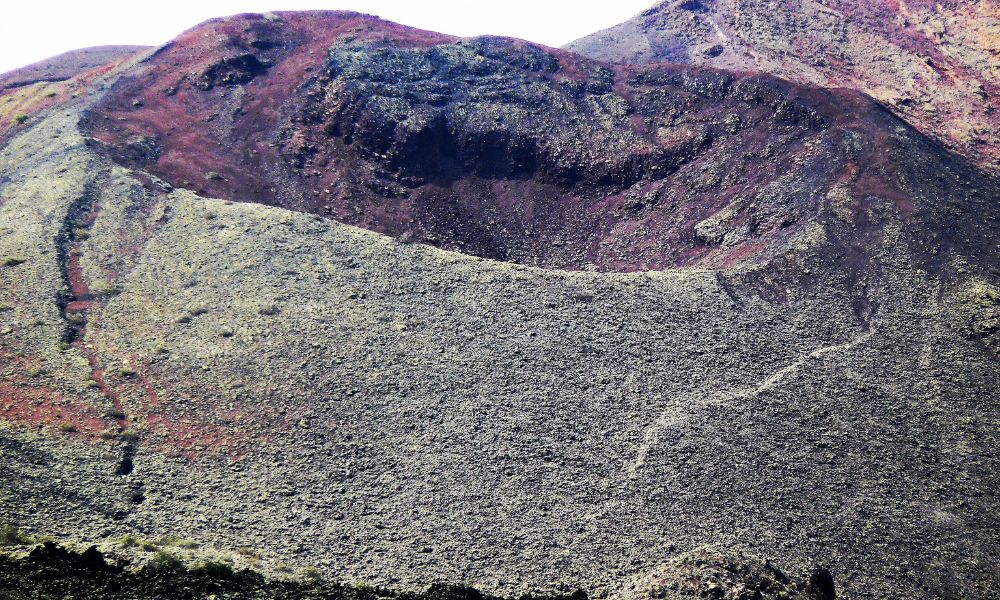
[52, 572]
[232, 71]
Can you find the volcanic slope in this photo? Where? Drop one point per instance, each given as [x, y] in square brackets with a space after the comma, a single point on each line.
[935, 63]
[43, 85]
[811, 377]
[67, 65]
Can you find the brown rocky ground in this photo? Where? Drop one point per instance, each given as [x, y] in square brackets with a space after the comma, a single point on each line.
[245, 375]
[934, 63]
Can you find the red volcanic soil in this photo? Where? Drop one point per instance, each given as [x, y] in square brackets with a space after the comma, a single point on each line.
[24, 399]
[31, 405]
[505, 149]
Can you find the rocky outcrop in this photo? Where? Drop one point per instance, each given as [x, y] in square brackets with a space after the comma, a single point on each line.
[51, 572]
[713, 574]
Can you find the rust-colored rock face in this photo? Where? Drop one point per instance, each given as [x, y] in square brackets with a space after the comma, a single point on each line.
[501, 148]
[937, 64]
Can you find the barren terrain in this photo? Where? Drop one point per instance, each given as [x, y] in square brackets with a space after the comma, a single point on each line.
[781, 342]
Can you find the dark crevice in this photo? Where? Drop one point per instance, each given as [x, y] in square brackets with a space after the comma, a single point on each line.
[67, 241]
[138, 495]
[76, 301]
[126, 464]
[728, 289]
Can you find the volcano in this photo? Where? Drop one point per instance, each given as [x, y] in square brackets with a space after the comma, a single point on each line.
[318, 292]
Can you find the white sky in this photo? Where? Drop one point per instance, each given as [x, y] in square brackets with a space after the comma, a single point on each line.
[31, 30]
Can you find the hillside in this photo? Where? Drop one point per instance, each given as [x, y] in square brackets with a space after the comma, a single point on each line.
[557, 324]
[934, 63]
[39, 87]
[67, 65]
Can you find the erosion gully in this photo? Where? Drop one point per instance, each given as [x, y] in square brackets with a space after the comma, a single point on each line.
[80, 304]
